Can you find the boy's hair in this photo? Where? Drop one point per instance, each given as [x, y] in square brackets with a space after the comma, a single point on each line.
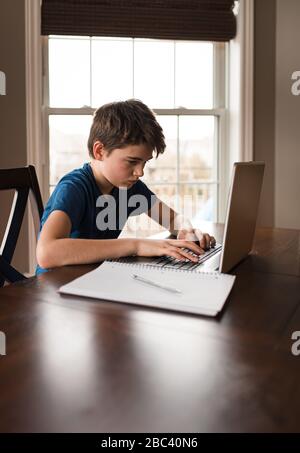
[119, 124]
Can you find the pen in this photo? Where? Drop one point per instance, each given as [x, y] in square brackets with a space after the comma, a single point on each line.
[156, 285]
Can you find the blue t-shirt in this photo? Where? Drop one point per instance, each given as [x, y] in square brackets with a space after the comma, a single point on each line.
[77, 194]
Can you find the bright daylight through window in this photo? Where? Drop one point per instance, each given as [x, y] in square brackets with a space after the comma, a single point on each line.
[183, 82]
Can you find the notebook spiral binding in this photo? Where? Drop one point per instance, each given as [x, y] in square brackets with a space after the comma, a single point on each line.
[168, 269]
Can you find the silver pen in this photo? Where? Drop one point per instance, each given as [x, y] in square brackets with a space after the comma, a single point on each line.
[156, 285]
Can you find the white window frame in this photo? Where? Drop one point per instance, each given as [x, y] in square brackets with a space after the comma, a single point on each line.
[219, 65]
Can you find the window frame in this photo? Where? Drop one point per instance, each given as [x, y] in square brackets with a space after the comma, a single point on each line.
[220, 113]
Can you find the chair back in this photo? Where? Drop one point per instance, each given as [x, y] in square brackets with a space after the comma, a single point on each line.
[24, 182]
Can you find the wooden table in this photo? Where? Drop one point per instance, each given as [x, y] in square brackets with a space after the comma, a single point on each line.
[76, 364]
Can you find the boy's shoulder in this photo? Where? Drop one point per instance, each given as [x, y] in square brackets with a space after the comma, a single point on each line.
[78, 180]
[74, 193]
[83, 174]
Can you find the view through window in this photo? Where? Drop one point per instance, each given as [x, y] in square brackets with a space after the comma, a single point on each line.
[179, 80]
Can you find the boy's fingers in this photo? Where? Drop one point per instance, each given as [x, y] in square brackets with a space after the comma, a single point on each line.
[188, 244]
[202, 243]
[184, 254]
[187, 235]
[176, 255]
[206, 241]
[212, 241]
[202, 238]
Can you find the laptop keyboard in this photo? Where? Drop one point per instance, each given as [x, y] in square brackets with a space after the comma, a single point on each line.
[170, 261]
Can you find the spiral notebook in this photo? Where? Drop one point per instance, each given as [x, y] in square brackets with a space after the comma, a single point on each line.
[146, 285]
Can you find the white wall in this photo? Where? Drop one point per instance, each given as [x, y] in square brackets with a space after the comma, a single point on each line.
[287, 130]
[264, 103]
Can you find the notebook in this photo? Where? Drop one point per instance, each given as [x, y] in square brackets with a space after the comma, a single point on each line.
[170, 289]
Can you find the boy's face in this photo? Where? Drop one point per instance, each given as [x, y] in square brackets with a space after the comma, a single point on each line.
[123, 167]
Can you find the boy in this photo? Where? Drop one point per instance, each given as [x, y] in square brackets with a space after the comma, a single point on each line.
[122, 139]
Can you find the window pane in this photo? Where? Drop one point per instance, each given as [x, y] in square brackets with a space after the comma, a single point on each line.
[194, 75]
[68, 137]
[164, 168]
[112, 70]
[166, 193]
[142, 225]
[154, 73]
[69, 72]
[197, 159]
[197, 201]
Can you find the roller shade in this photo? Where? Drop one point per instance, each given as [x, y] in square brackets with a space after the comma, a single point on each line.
[204, 20]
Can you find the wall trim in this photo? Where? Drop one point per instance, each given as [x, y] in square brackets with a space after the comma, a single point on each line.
[240, 87]
[33, 52]
[247, 79]
[240, 94]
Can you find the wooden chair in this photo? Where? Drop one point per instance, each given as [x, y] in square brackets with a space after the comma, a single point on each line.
[25, 183]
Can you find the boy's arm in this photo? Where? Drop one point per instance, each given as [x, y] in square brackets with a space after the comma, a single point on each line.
[55, 248]
[178, 225]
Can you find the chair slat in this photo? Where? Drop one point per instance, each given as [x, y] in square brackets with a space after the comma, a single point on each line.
[11, 178]
[9, 273]
[14, 224]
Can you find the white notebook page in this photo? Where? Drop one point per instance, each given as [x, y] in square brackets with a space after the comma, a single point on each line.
[201, 293]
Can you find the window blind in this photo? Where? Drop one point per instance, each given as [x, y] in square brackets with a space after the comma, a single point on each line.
[201, 20]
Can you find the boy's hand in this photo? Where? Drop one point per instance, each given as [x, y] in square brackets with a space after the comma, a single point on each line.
[169, 247]
[192, 234]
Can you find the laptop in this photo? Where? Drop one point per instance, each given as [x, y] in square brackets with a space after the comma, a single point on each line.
[240, 223]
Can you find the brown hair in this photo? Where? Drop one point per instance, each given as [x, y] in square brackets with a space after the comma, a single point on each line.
[119, 124]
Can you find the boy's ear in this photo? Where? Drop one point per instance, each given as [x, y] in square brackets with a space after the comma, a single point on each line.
[98, 150]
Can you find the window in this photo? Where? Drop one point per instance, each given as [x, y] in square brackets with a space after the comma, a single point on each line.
[182, 81]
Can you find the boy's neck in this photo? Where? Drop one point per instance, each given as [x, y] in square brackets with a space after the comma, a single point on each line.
[104, 185]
